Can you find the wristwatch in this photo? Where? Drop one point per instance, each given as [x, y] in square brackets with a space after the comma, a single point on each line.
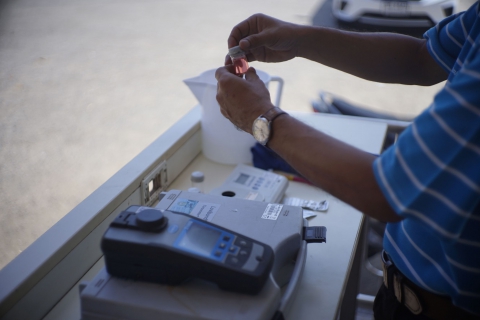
[262, 126]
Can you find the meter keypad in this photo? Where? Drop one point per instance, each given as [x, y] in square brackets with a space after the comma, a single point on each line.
[254, 258]
[243, 243]
[239, 252]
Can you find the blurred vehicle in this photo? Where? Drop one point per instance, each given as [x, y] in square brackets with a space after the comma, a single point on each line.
[401, 13]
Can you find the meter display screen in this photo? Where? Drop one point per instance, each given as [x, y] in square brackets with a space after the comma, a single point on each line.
[200, 239]
[242, 179]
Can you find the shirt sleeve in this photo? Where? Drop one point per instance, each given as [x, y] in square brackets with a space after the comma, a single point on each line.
[446, 39]
[432, 174]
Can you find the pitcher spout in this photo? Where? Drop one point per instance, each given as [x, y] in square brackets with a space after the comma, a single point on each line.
[196, 87]
[203, 85]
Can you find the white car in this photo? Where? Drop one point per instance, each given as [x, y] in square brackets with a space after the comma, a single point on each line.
[403, 13]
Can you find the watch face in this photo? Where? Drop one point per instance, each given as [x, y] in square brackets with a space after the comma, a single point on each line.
[261, 130]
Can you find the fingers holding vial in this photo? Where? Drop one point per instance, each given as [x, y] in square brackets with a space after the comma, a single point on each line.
[239, 60]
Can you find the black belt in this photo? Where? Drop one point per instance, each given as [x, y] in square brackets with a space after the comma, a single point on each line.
[419, 300]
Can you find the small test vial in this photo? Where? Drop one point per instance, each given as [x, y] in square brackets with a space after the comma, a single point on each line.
[197, 178]
[239, 60]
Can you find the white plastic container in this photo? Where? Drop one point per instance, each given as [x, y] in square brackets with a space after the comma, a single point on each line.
[222, 142]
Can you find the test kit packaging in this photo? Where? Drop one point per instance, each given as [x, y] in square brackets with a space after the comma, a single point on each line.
[230, 221]
[250, 183]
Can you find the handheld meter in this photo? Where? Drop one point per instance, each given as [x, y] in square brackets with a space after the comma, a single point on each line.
[165, 247]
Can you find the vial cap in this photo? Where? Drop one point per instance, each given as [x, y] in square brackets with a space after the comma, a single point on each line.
[235, 51]
[197, 176]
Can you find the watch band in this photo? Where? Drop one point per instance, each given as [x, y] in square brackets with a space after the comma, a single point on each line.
[271, 114]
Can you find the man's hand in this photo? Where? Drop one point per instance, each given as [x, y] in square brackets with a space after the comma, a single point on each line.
[241, 100]
[265, 39]
[381, 57]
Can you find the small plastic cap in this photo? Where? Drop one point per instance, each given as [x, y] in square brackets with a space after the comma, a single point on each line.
[150, 219]
[197, 176]
[235, 50]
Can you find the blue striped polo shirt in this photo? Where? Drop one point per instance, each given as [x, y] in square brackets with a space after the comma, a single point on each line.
[431, 177]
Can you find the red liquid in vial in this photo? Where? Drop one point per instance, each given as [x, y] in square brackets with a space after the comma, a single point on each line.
[241, 66]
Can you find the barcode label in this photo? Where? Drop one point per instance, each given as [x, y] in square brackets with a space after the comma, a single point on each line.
[272, 211]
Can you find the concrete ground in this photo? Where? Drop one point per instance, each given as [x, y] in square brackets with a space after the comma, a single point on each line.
[85, 85]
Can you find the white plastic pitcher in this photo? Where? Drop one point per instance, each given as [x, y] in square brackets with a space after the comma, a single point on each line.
[222, 142]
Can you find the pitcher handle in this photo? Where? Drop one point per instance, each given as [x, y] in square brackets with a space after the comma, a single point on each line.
[279, 89]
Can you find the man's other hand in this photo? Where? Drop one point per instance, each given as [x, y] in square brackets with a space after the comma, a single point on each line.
[241, 100]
